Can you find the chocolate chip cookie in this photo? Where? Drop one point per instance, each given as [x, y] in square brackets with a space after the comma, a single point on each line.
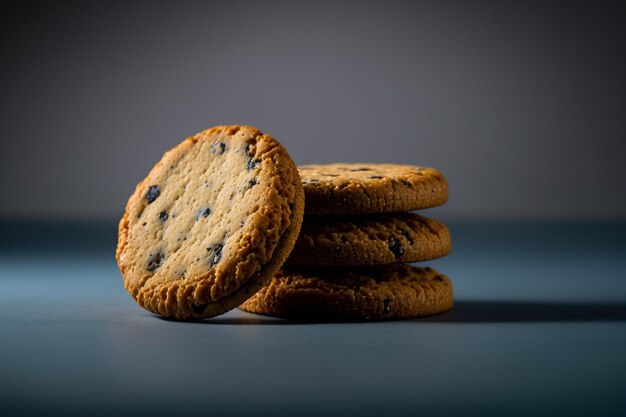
[375, 293]
[210, 224]
[374, 239]
[348, 188]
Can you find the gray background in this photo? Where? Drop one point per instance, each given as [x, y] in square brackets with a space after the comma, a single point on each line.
[521, 105]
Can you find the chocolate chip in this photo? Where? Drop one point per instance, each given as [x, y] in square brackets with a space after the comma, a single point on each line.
[360, 169]
[163, 216]
[203, 213]
[252, 183]
[199, 309]
[407, 235]
[439, 278]
[155, 261]
[253, 163]
[153, 193]
[395, 247]
[218, 148]
[215, 253]
[386, 302]
[375, 177]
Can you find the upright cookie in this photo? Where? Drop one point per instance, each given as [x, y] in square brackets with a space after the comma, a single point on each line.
[375, 293]
[374, 239]
[371, 188]
[210, 224]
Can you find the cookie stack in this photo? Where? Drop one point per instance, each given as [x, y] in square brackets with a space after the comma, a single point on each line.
[216, 218]
[350, 261]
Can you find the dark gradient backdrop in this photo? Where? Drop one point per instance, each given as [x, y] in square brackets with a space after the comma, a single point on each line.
[521, 105]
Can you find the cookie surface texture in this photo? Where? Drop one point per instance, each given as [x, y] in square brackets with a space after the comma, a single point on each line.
[210, 224]
[377, 239]
[348, 188]
[375, 293]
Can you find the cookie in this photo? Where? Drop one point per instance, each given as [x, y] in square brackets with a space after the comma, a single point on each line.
[210, 224]
[371, 188]
[374, 293]
[374, 239]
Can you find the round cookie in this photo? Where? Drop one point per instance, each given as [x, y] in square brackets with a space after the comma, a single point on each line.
[348, 188]
[375, 293]
[210, 224]
[376, 239]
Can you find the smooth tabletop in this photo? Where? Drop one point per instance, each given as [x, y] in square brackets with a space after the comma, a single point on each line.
[538, 328]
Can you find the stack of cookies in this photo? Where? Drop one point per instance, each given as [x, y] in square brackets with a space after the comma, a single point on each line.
[350, 261]
[215, 220]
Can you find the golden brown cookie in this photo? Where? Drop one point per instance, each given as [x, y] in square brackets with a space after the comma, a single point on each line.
[210, 224]
[374, 239]
[374, 293]
[348, 188]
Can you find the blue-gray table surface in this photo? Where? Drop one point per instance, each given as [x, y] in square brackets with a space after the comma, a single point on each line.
[539, 328]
